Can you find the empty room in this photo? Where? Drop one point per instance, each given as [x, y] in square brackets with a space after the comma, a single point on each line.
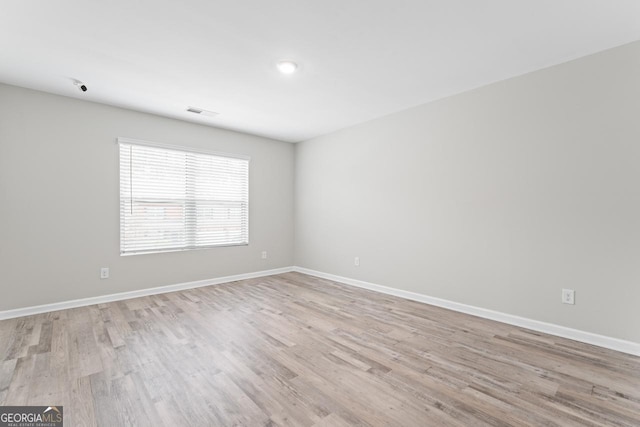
[320, 213]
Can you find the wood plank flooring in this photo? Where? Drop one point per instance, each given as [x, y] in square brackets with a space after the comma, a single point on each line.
[294, 350]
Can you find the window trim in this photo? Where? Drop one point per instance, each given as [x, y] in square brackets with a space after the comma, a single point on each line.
[179, 148]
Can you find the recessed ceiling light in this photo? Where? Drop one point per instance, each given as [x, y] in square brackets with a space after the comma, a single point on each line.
[287, 67]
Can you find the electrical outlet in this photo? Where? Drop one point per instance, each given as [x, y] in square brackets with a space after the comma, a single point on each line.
[568, 296]
[356, 261]
[104, 273]
[264, 254]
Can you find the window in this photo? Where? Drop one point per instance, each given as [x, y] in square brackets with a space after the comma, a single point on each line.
[175, 199]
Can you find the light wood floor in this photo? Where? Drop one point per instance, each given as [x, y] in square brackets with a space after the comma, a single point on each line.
[292, 350]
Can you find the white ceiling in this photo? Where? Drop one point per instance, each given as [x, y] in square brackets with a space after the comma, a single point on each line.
[359, 59]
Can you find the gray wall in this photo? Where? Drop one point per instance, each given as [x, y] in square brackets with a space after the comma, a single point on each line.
[497, 198]
[59, 206]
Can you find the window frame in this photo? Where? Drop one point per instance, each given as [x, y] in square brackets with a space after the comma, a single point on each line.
[182, 149]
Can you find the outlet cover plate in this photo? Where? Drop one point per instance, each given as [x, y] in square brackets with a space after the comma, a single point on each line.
[568, 296]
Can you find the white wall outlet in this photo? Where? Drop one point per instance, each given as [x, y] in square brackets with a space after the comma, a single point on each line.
[104, 273]
[568, 296]
[356, 261]
[264, 254]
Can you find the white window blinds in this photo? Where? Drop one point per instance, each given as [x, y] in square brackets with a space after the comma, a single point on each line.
[172, 199]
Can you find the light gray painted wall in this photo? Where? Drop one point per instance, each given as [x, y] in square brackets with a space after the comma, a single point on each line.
[497, 198]
[59, 214]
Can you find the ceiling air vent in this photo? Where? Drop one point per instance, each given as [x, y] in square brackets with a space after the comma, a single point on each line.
[202, 112]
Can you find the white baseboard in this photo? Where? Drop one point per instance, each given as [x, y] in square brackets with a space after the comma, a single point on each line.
[548, 328]
[27, 311]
